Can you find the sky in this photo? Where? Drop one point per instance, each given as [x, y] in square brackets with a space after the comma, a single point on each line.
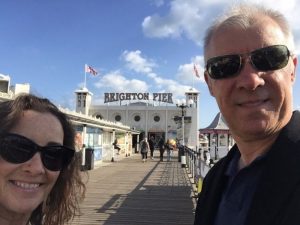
[135, 45]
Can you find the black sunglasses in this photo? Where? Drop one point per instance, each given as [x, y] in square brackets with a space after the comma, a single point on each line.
[15, 148]
[264, 59]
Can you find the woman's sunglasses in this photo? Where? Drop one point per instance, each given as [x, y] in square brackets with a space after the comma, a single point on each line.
[264, 59]
[15, 148]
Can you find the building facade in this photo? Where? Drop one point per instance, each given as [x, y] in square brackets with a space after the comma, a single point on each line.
[153, 115]
[218, 138]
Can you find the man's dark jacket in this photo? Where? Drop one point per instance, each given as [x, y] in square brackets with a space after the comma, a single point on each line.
[276, 200]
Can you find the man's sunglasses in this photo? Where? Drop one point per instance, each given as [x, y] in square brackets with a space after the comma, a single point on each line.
[15, 148]
[264, 59]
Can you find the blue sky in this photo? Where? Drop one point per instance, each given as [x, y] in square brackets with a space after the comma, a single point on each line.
[135, 45]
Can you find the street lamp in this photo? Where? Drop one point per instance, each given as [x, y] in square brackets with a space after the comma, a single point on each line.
[113, 152]
[214, 143]
[183, 105]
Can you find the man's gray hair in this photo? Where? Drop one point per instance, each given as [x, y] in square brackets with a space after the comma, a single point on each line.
[245, 15]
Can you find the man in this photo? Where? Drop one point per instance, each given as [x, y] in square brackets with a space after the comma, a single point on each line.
[116, 146]
[250, 70]
[144, 149]
[151, 145]
[161, 145]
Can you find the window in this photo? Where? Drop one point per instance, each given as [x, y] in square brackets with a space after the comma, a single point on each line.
[156, 118]
[118, 118]
[137, 118]
[98, 116]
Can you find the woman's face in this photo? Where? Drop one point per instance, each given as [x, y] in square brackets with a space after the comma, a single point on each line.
[25, 185]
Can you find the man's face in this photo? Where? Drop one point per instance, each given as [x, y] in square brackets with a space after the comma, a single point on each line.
[254, 103]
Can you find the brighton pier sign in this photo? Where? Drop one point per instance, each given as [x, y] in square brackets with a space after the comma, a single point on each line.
[114, 97]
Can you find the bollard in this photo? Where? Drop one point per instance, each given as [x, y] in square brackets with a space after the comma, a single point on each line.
[199, 186]
[183, 161]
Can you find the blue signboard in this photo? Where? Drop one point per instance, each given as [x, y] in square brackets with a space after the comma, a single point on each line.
[97, 153]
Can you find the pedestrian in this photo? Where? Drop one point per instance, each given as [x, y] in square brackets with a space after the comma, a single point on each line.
[161, 145]
[40, 180]
[151, 145]
[79, 146]
[117, 146]
[144, 149]
[169, 147]
[250, 66]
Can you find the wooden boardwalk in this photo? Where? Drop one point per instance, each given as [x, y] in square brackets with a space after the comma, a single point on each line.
[129, 192]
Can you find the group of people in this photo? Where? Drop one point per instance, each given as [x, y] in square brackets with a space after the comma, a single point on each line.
[149, 145]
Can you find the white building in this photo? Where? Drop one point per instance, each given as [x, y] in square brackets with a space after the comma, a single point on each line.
[7, 91]
[218, 136]
[152, 114]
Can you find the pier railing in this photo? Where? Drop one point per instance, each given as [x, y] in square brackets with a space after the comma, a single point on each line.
[198, 162]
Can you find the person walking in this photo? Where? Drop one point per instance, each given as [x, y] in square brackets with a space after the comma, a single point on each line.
[250, 69]
[144, 149]
[151, 145]
[161, 146]
[170, 148]
[117, 146]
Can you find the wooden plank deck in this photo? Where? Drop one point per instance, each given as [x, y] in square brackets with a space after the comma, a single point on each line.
[129, 192]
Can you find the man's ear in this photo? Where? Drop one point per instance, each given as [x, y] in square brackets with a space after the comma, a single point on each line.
[293, 75]
[209, 83]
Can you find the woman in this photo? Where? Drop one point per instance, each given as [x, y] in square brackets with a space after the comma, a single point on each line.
[40, 180]
[169, 147]
[144, 149]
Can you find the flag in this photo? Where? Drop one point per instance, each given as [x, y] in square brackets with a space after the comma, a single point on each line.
[196, 71]
[91, 70]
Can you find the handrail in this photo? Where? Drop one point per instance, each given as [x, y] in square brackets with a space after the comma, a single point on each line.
[198, 163]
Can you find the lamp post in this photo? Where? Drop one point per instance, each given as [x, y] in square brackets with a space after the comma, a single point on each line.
[214, 143]
[113, 151]
[183, 105]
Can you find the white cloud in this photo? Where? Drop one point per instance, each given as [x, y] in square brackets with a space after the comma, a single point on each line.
[137, 63]
[189, 18]
[187, 74]
[185, 17]
[141, 64]
[115, 81]
[158, 3]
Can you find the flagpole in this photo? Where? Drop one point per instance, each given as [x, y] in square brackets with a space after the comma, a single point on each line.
[193, 80]
[85, 75]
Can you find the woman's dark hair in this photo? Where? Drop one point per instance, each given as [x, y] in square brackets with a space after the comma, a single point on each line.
[62, 203]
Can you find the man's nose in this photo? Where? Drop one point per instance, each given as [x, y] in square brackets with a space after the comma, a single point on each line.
[249, 78]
